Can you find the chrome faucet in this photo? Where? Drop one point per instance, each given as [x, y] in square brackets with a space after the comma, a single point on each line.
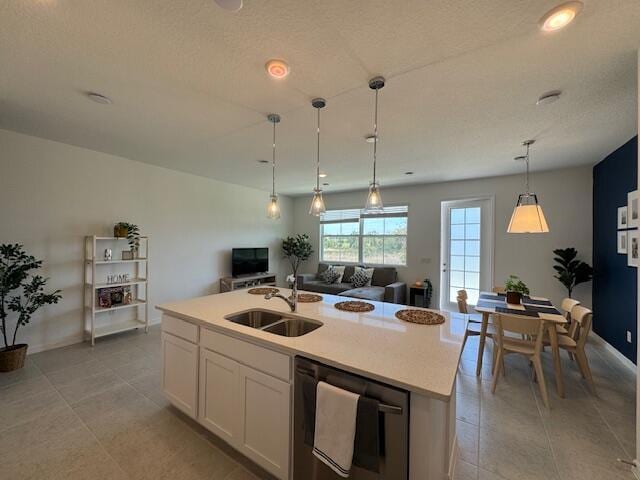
[292, 300]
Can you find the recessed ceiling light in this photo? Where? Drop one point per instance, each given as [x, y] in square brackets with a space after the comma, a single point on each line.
[549, 97]
[369, 138]
[560, 16]
[277, 68]
[99, 98]
[408, 173]
[263, 161]
[322, 175]
[231, 5]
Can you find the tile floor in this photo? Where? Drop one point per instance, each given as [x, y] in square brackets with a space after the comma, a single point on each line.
[82, 413]
[512, 436]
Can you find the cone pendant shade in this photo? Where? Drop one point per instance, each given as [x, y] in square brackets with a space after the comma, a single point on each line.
[528, 216]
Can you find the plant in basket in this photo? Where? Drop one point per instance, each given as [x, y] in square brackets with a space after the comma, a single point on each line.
[515, 289]
[21, 295]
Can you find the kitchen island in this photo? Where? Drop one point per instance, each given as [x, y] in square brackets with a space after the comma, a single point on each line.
[236, 380]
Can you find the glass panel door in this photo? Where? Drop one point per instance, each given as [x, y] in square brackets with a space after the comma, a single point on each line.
[467, 246]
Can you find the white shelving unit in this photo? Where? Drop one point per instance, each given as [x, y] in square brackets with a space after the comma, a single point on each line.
[98, 321]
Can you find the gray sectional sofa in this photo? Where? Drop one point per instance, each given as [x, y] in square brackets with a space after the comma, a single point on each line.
[384, 285]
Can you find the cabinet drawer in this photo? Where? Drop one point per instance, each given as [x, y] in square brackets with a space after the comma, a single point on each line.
[180, 328]
[260, 358]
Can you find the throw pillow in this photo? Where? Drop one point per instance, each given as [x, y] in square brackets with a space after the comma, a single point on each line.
[330, 275]
[340, 270]
[362, 277]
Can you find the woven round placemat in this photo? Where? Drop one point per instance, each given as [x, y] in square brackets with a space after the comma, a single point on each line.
[263, 290]
[309, 298]
[422, 317]
[354, 306]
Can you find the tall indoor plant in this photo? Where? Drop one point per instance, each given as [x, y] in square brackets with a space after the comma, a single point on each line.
[297, 249]
[571, 271]
[21, 295]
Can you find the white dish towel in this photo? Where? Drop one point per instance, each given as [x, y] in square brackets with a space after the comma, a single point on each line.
[336, 411]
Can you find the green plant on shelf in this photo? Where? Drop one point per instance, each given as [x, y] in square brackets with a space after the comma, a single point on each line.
[131, 232]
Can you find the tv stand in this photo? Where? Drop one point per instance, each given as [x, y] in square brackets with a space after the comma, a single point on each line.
[228, 284]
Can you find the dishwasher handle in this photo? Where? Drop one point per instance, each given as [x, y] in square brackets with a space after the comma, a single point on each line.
[382, 407]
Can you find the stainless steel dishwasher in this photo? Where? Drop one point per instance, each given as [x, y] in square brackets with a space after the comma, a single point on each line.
[393, 421]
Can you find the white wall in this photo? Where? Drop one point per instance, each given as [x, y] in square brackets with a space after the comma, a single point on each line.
[566, 196]
[53, 194]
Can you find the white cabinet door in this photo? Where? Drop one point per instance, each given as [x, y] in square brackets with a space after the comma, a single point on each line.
[219, 394]
[264, 429]
[180, 373]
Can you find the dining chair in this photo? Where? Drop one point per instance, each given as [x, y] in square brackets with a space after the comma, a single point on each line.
[571, 329]
[474, 322]
[531, 347]
[583, 318]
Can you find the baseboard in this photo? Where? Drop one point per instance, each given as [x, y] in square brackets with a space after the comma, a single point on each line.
[72, 340]
[628, 364]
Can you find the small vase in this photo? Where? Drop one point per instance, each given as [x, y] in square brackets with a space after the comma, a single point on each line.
[514, 298]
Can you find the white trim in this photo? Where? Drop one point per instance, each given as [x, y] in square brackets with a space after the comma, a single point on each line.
[628, 364]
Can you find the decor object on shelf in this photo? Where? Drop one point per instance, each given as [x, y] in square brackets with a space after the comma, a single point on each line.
[273, 209]
[421, 317]
[633, 254]
[374, 199]
[131, 232]
[297, 249]
[127, 255]
[21, 295]
[622, 218]
[355, 306]
[108, 254]
[622, 242]
[571, 271]
[317, 207]
[515, 289]
[118, 278]
[114, 296]
[633, 208]
[527, 216]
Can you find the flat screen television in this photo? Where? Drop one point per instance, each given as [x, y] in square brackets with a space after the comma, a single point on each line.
[247, 261]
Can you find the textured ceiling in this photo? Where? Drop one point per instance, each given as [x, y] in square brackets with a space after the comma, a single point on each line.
[190, 92]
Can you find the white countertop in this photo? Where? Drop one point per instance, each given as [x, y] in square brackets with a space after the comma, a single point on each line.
[419, 358]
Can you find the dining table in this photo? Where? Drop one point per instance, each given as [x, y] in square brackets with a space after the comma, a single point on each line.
[491, 303]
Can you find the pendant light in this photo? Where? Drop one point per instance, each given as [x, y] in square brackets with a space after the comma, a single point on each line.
[317, 203]
[273, 209]
[528, 216]
[374, 200]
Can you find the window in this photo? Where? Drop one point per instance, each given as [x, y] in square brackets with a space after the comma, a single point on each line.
[352, 236]
[464, 253]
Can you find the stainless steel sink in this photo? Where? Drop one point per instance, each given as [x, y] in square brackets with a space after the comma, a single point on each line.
[293, 327]
[275, 323]
[255, 318]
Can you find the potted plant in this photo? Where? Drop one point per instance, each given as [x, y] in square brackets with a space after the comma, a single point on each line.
[515, 289]
[129, 231]
[570, 270]
[21, 295]
[297, 249]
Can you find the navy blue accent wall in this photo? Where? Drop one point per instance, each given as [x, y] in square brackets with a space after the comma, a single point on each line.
[614, 283]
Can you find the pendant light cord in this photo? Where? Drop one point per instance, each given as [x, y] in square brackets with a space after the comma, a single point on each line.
[273, 163]
[375, 137]
[318, 154]
[526, 183]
